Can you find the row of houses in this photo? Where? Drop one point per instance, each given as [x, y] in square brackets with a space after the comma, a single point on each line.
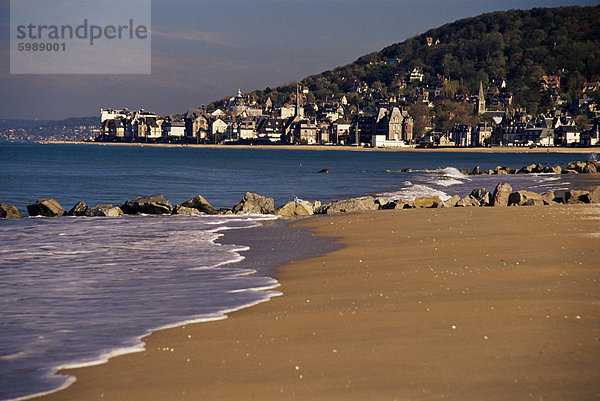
[543, 131]
[242, 120]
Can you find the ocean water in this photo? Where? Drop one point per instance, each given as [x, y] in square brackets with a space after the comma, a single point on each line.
[74, 290]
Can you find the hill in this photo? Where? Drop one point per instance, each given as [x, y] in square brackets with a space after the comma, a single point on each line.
[519, 47]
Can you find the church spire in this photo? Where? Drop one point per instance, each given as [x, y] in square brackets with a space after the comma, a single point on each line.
[480, 100]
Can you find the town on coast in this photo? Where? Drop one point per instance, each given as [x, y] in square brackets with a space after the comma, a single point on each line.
[243, 120]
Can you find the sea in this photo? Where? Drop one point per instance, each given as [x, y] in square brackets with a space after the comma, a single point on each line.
[75, 291]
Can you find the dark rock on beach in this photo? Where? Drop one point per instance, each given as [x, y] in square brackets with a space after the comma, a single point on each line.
[104, 211]
[525, 198]
[47, 207]
[351, 205]
[595, 195]
[574, 196]
[501, 194]
[398, 204]
[483, 196]
[9, 211]
[468, 201]
[200, 204]
[454, 199]
[255, 204]
[79, 209]
[297, 208]
[155, 204]
[549, 198]
[427, 202]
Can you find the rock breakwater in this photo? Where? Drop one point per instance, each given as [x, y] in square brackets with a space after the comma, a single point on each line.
[503, 195]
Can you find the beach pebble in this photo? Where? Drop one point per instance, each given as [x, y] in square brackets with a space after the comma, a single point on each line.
[453, 327]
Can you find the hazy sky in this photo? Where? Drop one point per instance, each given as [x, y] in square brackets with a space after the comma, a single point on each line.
[206, 50]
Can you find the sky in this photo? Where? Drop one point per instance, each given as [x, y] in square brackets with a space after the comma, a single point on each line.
[206, 50]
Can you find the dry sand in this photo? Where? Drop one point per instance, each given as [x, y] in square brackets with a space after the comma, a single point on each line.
[422, 304]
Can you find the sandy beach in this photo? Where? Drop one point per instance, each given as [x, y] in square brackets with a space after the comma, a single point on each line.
[421, 304]
[495, 149]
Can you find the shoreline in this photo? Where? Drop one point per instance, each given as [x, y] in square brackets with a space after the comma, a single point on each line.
[496, 149]
[336, 312]
[269, 236]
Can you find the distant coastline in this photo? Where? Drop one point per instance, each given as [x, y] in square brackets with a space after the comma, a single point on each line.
[494, 149]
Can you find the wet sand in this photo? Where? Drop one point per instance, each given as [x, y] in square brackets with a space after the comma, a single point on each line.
[421, 304]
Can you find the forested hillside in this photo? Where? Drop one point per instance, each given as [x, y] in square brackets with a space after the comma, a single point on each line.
[518, 46]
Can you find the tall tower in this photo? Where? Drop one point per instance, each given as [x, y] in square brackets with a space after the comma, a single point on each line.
[480, 100]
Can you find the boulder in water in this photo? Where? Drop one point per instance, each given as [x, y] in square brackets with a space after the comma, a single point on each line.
[104, 210]
[47, 207]
[79, 209]
[200, 204]
[155, 204]
[9, 211]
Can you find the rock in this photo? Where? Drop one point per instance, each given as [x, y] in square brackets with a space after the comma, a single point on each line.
[200, 204]
[557, 170]
[574, 196]
[589, 169]
[398, 204]
[324, 171]
[549, 198]
[501, 194]
[46, 207]
[224, 211]
[465, 171]
[527, 169]
[525, 198]
[483, 196]
[255, 204]
[569, 171]
[538, 168]
[427, 202]
[79, 209]
[9, 211]
[533, 202]
[501, 171]
[104, 211]
[301, 208]
[468, 201]
[451, 202]
[407, 170]
[289, 209]
[155, 204]
[595, 195]
[475, 171]
[180, 209]
[352, 205]
[321, 209]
